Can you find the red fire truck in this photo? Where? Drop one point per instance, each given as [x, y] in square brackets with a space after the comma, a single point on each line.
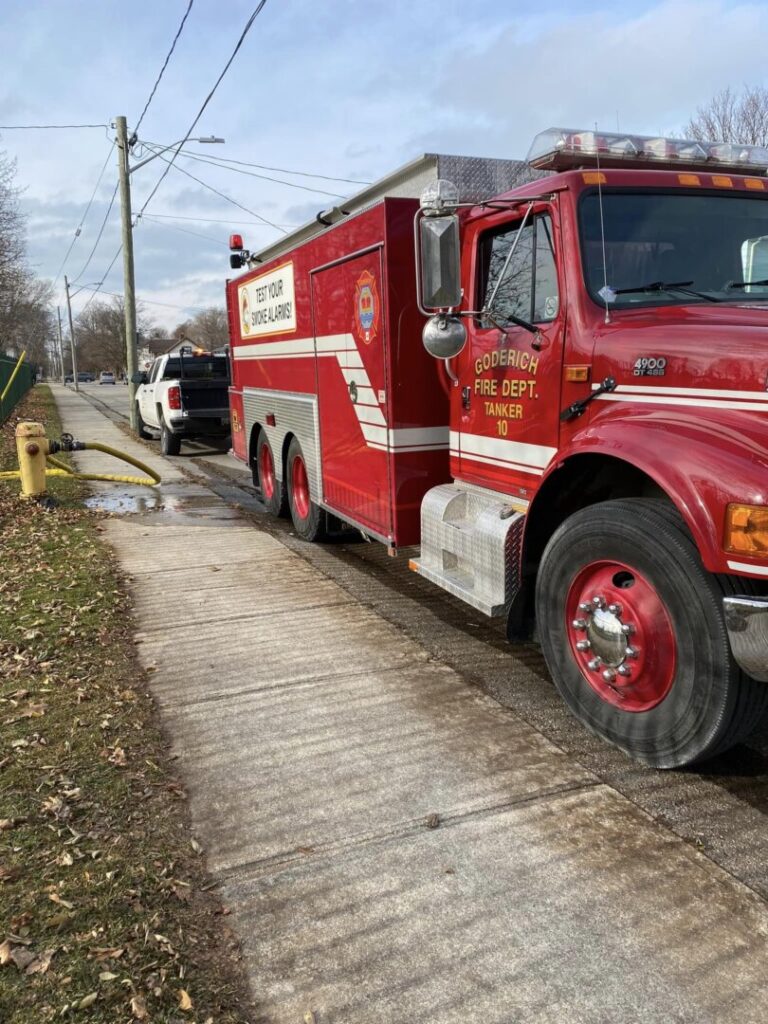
[558, 390]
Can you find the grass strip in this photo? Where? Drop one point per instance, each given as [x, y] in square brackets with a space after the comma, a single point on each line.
[106, 910]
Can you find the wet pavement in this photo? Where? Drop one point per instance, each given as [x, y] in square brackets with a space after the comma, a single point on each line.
[395, 844]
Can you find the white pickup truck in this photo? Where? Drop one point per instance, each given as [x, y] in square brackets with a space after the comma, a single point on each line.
[185, 394]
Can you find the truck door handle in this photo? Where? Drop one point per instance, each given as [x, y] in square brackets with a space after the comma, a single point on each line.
[575, 409]
[465, 397]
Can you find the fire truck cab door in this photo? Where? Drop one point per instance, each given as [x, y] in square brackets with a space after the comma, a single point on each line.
[509, 395]
[351, 366]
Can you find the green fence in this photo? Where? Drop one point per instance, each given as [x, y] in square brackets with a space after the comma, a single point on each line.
[24, 380]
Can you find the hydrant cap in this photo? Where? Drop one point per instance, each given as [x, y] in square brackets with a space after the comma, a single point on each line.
[30, 430]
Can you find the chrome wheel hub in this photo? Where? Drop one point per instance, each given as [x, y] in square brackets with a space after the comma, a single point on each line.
[603, 634]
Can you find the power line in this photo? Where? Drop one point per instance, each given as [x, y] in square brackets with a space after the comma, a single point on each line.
[101, 232]
[209, 220]
[104, 277]
[184, 230]
[85, 214]
[165, 65]
[154, 302]
[278, 170]
[257, 11]
[210, 188]
[19, 127]
[264, 177]
[284, 170]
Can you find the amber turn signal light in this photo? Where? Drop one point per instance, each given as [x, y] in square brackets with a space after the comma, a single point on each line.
[746, 529]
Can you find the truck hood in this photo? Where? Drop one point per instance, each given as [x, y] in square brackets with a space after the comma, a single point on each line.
[717, 353]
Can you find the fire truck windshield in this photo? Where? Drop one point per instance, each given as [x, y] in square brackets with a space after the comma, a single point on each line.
[664, 248]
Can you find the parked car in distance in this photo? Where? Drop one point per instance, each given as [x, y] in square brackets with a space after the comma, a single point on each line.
[106, 377]
[69, 379]
[86, 377]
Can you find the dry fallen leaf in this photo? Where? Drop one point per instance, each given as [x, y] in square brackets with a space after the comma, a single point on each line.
[22, 957]
[60, 900]
[310, 1017]
[42, 963]
[88, 1000]
[8, 823]
[106, 952]
[5, 953]
[185, 1003]
[107, 976]
[195, 846]
[139, 1008]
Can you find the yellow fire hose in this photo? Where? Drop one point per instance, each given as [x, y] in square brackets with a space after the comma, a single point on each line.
[34, 450]
[62, 469]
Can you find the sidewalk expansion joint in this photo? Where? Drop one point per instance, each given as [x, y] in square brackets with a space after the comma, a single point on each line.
[273, 687]
[403, 831]
[247, 616]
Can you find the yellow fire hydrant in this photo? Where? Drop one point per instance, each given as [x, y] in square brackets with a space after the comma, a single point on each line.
[36, 461]
[32, 450]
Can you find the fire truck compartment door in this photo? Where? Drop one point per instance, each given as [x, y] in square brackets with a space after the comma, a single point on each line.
[352, 389]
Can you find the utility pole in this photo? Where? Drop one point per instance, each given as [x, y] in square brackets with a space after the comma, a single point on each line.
[129, 287]
[61, 345]
[71, 336]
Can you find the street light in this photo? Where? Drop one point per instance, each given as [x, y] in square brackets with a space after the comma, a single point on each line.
[129, 287]
[205, 139]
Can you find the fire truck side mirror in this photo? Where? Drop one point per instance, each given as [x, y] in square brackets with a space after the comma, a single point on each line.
[440, 262]
[444, 336]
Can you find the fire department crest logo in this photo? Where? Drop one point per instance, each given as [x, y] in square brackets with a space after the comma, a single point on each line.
[367, 306]
[245, 312]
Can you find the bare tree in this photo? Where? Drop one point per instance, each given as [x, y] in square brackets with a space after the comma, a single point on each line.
[208, 329]
[730, 117]
[13, 277]
[100, 334]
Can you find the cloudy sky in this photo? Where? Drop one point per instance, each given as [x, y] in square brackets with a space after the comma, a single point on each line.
[341, 88]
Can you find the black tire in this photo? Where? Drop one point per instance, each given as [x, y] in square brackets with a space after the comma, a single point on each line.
[170, 443]
[309, 525]
[710, 704]
[141, 428]
[277, 502]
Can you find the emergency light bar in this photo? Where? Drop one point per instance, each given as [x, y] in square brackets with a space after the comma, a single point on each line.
[562, 149]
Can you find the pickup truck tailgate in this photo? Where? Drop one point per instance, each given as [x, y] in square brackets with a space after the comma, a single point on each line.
[204, 398]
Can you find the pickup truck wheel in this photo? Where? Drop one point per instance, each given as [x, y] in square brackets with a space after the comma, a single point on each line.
[141, 428]
[170, 443]
[632, 629]
[308, 518]
[273, 493]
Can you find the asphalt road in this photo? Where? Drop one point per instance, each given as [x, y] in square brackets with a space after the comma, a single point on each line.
[720, 808]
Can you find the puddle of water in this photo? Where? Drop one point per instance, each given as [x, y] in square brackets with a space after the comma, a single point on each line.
[125, 503]
[204, 506]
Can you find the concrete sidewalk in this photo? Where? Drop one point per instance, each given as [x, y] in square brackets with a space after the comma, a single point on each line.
[318, 743]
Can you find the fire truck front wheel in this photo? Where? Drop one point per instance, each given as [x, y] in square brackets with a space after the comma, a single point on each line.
[632, 629]
[308, 518]
[272, 490]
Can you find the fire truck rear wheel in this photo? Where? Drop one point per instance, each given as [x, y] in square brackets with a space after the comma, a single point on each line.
[273, 492]
[308, 518]
[632, 629]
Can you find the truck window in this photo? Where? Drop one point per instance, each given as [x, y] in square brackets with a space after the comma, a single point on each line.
[529, 288]
[714, 244]
[197, 368]
[153, 371]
